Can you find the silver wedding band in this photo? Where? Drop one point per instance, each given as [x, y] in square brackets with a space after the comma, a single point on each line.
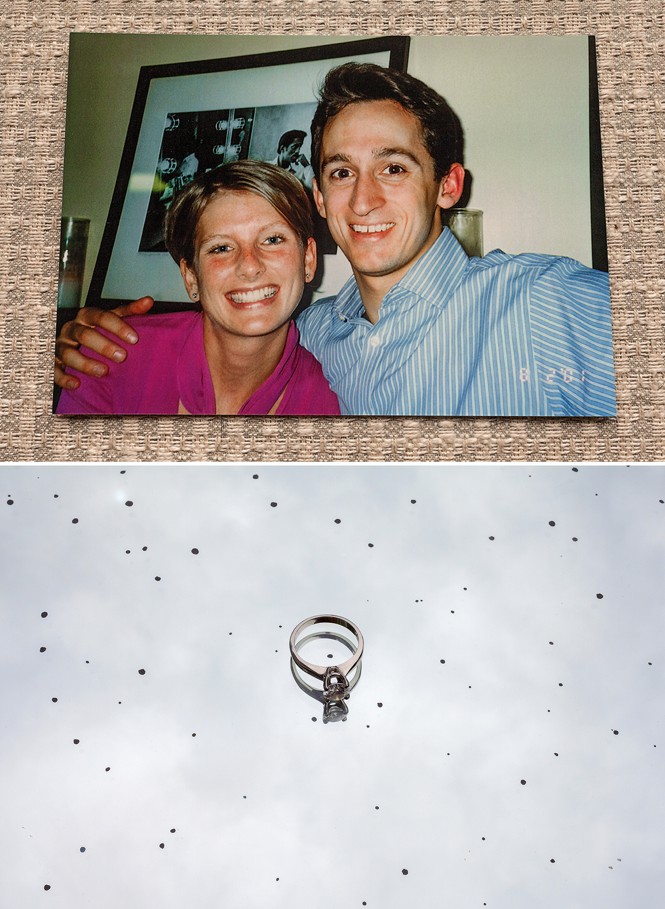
[324, 672]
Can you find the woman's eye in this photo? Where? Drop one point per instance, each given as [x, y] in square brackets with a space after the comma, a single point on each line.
[274, 240]
[219, 248]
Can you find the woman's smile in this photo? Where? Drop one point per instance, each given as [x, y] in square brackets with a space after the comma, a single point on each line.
[249, 297]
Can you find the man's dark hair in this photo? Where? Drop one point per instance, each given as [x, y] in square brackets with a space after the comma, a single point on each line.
[352, 83]
[293, 135]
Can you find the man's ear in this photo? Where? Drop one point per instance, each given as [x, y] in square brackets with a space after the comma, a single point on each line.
[190, 279]
[318, 198]
[452, 186]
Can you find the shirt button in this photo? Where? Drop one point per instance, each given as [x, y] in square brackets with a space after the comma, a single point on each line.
[374, 341]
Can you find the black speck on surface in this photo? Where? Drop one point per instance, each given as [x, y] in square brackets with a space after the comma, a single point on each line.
[273, 504]
[599, 596]
[10, 501]
[615, 731]
[42, 649]
[552, 861]
[161, 845]
[144, 549]
[76, 741]
[552, 523]
[193, 735]
[47, 886]
[338, 520]
[405, 870]
[172, 830]
[106, 769]
[314, 719]
[574, 539]
[82, 849]
[490, 538]
[55, 700]
[123, 471]
[157, 577]
[523, 782]
[141, 671]
[442, 661]
[379, 703]
[195, 551]
[255, 476]
[371, 545]
[574, 469]
[127, 551]
[413, 501]
[75, 520]
[129, 503]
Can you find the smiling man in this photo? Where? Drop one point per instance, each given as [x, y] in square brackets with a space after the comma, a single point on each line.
[421, 328]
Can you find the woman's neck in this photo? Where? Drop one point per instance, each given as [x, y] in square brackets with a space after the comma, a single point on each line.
[239, 365]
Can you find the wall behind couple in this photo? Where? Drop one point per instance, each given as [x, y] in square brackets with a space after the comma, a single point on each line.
[522, 100]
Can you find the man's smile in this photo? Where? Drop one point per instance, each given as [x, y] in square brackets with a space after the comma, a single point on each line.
[371, 228]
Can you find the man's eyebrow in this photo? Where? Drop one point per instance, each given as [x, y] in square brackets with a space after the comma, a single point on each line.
[395, 151]
[336, 158]
[380, 154]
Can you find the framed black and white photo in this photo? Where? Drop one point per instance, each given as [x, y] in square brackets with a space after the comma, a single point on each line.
[191, 117]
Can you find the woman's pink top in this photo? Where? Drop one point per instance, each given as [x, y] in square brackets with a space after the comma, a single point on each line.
[169, 366]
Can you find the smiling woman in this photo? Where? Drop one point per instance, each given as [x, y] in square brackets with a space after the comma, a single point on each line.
[242, 237]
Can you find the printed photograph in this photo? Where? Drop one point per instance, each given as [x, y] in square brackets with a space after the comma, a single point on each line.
[394, 226]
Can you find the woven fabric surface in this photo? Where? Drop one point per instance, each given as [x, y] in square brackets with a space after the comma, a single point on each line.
[33, 75]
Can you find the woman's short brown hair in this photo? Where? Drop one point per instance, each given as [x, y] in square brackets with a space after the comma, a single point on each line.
[278, 187]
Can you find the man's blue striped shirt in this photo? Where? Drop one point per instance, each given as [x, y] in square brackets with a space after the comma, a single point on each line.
[502, 335]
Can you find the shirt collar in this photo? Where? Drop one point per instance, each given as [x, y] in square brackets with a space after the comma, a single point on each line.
[445, 260]
[194, 381]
